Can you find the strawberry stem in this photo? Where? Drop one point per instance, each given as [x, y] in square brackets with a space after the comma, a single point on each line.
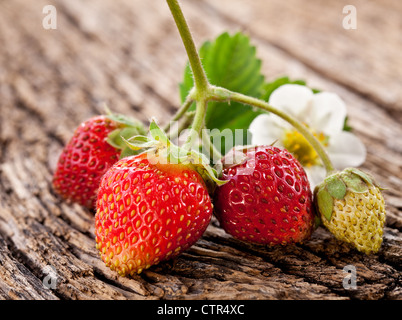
[222, 94]
[186, 121]
[207, 143]
[198, 123]
[203, 92]
[180, 112]
[200, 78]
[201, 84]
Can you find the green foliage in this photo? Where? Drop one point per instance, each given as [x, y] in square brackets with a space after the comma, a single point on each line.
[230, 61]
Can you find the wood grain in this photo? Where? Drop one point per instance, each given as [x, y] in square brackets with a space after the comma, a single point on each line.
[129, 55]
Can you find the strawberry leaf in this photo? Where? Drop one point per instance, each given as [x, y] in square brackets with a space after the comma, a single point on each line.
[125, 121]
[157, 133]
[140, 142]
[336, 187]
[126, 128]
[114, 139]
[325, 203]
[229, 62]
[163, 150]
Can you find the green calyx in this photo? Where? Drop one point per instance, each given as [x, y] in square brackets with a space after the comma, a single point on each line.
[126, 128]
[337, 185]
[163, 151]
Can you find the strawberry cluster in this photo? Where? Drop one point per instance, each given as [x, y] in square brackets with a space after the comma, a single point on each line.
[147, 211]
[154, 199]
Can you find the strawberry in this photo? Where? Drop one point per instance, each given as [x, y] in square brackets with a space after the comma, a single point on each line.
[149, 212]
[267, 198]
[87, 156]
[352, 208]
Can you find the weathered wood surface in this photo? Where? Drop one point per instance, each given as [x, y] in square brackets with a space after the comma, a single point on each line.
[129, 55]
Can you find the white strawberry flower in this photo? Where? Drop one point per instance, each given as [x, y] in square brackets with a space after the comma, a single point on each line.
[324, 113]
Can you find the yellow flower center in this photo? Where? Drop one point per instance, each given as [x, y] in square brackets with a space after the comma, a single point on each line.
[301, 149]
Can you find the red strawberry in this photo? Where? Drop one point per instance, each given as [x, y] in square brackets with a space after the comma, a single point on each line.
[147, 213]
[84, 160]
[270, 203]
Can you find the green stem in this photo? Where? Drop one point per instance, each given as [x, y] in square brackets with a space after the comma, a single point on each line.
[204, 92]
[206, 141]
[200, 78]
[180, 112]
[201, 84]
[222, 94]
[198, 123]
[186, 121]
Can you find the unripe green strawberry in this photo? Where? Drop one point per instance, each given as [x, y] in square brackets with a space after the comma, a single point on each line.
[352, 208]
[148, 212]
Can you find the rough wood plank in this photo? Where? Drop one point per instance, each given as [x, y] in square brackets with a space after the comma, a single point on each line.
[364, 59]
[50, 81]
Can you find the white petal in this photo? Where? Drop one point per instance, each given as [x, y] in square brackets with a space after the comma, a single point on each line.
[328, 113]
[293, 99]
[315, 175]
[265, 130]
[346, 150]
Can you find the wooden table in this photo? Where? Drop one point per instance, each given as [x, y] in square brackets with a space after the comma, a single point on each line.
[129, 55]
